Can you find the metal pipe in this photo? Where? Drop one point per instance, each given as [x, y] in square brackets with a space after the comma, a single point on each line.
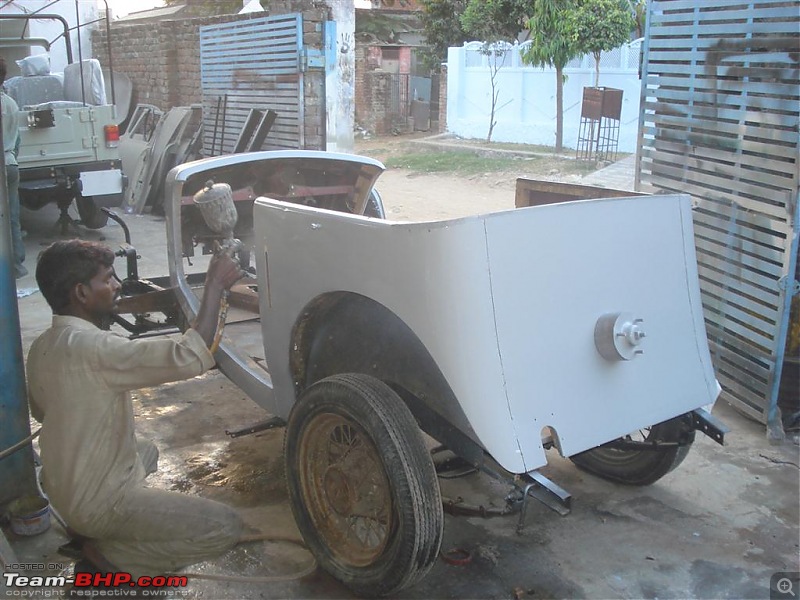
[110, 60]
[63, 21]
[17, 471]
[216, 125]
[224, 118]
[80, 52]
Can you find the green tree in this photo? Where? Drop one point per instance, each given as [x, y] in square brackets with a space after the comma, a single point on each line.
[597, 26]
[496, 20]
[552, 46]
[441, 22]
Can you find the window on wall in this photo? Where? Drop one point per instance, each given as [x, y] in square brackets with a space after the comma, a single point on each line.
[390, 59]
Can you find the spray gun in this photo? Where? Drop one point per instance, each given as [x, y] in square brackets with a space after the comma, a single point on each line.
[215, 202]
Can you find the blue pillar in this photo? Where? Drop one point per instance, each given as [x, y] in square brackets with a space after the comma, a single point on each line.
[17, 473]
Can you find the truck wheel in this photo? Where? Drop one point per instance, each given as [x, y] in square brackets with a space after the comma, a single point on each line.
[362, 484]
[641, 467]
[91, 215]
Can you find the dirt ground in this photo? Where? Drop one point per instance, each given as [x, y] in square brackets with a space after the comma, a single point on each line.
[718, 527]
[409, 195]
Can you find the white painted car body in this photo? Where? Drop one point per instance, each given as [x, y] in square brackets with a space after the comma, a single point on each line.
[505, 304]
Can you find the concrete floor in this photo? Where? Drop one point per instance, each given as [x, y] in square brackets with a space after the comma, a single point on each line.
[718, 527]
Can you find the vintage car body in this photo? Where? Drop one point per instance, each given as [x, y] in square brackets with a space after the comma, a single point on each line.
[506, 306]
[565, 325]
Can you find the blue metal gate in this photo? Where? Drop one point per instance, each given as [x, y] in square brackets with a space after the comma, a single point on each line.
[721, 107]
[253, 64]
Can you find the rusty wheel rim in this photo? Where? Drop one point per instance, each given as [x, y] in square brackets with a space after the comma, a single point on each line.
[345, 489]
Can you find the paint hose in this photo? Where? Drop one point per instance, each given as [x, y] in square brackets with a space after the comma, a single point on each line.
[20, 445]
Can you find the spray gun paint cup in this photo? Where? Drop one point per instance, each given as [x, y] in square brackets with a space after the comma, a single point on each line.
[215, 202]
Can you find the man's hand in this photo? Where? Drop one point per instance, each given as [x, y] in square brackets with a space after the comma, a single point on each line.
[223, 270]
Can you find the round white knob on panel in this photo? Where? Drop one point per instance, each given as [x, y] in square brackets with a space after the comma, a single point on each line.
[618, 336]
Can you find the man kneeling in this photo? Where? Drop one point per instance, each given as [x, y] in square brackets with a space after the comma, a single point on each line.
[79, 378]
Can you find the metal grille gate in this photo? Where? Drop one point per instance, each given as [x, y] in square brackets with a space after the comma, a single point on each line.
[721, 107]
[252, 64]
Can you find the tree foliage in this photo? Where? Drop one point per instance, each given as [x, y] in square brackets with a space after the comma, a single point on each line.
[596, 26]
[496, 20]
[441, 22]
[449, 23]
[552, 45]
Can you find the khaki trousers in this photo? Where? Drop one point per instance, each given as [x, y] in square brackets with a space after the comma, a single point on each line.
[157, 531]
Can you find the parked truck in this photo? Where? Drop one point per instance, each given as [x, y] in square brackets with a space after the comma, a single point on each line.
[69, 132]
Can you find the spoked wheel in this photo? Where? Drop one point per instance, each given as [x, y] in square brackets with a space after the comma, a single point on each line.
[641, 467]
[363, 487]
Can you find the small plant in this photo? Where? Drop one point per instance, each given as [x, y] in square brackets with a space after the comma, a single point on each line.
[496, 23]
[496, 53]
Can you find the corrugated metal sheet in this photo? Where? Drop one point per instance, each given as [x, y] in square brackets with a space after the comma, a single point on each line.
[252, 64]
[721, 108]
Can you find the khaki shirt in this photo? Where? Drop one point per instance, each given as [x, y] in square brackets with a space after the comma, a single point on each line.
[79, 377]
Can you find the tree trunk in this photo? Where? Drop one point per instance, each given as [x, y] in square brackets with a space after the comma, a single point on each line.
[559, 109]
[493, 74]
[597, 69]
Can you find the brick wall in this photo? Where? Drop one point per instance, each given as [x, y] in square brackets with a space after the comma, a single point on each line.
[163, 60]
[362, 115]
[377, 99]
[373, 95]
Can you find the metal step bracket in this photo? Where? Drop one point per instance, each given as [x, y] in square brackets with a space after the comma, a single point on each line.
[707, 423]
[545, 491]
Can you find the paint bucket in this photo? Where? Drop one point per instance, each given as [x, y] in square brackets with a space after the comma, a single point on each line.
[29, 515]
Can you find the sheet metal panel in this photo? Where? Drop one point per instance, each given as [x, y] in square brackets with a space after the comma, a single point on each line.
[721, 110]
[513, 334]
[252, 64]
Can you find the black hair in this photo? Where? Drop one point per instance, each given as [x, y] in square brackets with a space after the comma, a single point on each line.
[64, 264]
[3, 70]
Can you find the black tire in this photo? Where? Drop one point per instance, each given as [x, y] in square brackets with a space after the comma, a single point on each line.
[641, 467]
[362, 484]
[91, 215]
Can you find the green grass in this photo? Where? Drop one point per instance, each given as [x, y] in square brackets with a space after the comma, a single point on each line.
[454, 162]
[518, 147]
[470, 163]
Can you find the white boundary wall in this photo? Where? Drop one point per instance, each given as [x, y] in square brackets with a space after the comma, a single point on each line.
[526, 112]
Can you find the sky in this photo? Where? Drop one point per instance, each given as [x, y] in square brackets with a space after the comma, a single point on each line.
[120, 8]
